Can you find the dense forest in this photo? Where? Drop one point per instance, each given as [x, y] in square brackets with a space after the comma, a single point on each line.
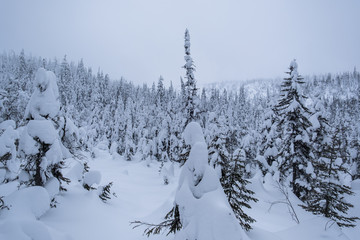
[303, 131]
[149, 120]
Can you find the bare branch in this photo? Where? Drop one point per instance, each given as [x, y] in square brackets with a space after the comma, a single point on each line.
[285, 201]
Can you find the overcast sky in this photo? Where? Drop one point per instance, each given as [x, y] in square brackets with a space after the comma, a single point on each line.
[230, 39]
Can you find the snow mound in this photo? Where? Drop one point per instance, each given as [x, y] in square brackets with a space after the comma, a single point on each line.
[24, 230]
[92, 177]
[27, 203]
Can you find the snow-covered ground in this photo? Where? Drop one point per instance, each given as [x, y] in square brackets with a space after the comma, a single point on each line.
[142, 195]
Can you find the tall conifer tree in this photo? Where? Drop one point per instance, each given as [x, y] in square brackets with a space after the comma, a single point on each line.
[295, 149]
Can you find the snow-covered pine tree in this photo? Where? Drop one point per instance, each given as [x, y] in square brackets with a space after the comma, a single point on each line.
[40, 144]
[189, 96]
[129, 130]
[294, 149]
[200, 195]
[65, 84]
[160, 101]
[248, 144]
[13, 98]
[200, 203]
[191, 104]
[216, 137]
[327, 190]
[355, 154]
[267, 150]
[9, 164]
[234, 184]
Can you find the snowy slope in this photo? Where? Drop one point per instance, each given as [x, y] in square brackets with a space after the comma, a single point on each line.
[141, 195]
[139, 189]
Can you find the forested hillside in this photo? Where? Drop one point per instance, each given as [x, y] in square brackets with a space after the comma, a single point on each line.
[149, 120]
[300, 132]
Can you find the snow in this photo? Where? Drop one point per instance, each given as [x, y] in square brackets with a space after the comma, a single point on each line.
[52, 186]
[55, 153]
[44, 101]
[92, 177]
[201, 200]
[6, 124]
[27, 203]
[314, 121]
[27, 143]
[80, 214]
[2, 174]
[294, 65]
[7, 138]
[310, 169]
[44, 131]
[75, 171]
[193, 134]
[7, 146]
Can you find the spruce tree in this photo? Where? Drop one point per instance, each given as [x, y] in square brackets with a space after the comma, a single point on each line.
[216, 136]
[294, 149]
[160, 101]
[190, 89]
[234, 184]
[65, 83]
[327, 196]
[268, 149]
[9, 163]
[40, 143]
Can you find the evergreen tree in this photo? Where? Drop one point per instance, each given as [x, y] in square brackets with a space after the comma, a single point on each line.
[268, 149]
[9, 164]
[160, 93]
[234, 184]
[40, 143]
[294, 149]
[129, 130]
[328, 192]
[190, 90]
[216, 136]
[199, 199]
[65, 83]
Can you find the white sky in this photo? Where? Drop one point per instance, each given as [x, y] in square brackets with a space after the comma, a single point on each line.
[230, 39]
